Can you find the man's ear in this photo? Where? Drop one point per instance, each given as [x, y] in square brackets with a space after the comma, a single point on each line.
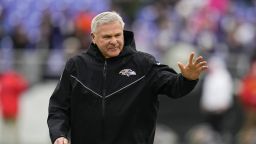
[93, 38]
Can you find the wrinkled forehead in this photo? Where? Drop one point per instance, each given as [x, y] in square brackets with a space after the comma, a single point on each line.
[109, 28]
[107, 23]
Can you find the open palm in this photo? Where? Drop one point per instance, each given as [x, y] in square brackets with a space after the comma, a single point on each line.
[193, 68]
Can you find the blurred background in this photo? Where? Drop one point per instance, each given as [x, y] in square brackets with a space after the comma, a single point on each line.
[37, 37]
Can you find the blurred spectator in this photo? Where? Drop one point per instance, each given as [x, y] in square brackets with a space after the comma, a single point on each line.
[217, 95]
[2, 30]
[203, 134]
[83, 28]
[6, 53]
[72, 46]
[165, 135]
[19, 37]
[248, 99]
[54, 64]
[12, 86]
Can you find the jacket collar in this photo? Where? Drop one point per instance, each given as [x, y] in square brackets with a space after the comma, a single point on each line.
[129, 47]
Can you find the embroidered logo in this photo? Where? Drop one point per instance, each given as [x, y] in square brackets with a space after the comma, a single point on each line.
[127, 72]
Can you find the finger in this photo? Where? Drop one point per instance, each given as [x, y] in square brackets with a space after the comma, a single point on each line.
[198, 59]
[57, 141]
[201, 64]
[61, 140]
[203, 68]
[191, 57]
[181, 66]
[65, 141]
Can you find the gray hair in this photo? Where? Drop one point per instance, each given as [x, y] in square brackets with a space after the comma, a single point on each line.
[105, 17]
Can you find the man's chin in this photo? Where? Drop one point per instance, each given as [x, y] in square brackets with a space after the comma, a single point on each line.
[111, 55]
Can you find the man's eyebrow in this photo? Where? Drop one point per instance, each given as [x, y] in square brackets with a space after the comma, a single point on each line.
[106, 35]
[116, 34]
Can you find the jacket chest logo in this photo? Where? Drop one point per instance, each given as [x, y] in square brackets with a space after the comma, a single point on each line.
[127, 72]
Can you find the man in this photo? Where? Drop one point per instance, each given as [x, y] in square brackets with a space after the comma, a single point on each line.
[108, 95]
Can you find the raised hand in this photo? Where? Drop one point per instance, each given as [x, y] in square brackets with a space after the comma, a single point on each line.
[193, 68]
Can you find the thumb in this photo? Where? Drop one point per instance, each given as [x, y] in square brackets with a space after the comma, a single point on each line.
[61, 140]
[65, 141]
[181, 66]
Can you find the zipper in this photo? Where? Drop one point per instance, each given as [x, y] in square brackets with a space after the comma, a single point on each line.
[103, 98]
[104, 88]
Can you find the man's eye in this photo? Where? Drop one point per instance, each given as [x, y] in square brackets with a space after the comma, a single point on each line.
[106, 37]
[118, 35]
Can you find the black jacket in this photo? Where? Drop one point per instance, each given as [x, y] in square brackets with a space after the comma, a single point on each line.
[112, 101]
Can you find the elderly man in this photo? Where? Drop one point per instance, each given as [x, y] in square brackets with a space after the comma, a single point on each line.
[108, 95]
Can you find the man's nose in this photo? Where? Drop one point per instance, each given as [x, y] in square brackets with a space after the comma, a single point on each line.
[113, 40]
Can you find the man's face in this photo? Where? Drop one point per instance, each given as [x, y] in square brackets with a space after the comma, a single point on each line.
[109, 38]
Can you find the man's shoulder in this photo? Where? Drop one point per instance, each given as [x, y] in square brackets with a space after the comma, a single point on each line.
[76, 58]
[145, 57]
[79, 56]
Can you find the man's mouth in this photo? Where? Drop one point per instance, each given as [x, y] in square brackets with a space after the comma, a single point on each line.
[113, 49]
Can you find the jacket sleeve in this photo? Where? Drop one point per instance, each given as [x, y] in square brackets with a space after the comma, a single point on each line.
[59, 107]
[166, 81]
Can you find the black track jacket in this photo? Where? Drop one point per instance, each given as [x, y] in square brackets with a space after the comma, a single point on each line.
[112, 101]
